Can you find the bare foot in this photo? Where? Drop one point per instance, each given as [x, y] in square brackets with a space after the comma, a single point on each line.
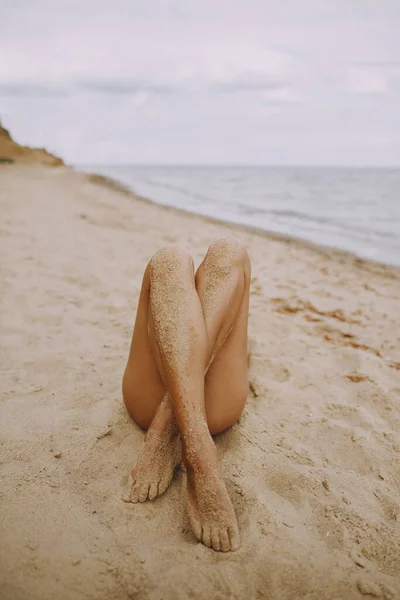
[210, 510]
[154, 468]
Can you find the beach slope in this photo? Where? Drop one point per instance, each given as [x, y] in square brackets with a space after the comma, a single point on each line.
[312, 467]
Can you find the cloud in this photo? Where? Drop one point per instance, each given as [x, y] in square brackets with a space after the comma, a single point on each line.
[281, 96]
[211, 85]
[141, 47]
[225, 81]
[26, 89]
[367, 80]
[246, 83]
[123, 87]
[133, 87]
[383, 64]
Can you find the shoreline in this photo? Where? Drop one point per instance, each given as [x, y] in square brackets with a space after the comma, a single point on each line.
[326, 251]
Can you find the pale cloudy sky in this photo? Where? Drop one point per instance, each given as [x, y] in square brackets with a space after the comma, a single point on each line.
[204, 81]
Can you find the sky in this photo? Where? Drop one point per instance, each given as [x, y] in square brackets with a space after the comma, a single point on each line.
[315, 82]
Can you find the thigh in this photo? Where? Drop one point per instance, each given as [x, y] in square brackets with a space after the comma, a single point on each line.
[226, 382]
[142, 386]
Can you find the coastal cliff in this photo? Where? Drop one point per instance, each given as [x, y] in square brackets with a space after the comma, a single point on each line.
[11, 152]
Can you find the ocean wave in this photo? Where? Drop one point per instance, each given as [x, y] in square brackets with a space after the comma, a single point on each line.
[294, 201]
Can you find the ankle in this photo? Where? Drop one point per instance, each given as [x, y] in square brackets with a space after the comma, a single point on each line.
[163, 425]
[199, 453]
[162, 431]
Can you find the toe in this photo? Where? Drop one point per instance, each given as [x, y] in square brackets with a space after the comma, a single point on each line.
[194, 521]
[153, 491]
[196, 526]
[163, 486]
[234, 538]
[206, 535]
[134, 494]
[126, 495]
[224, 539]
[143, 493]
[215, 542]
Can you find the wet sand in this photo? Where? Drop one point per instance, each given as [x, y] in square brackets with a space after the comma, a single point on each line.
[312, 468]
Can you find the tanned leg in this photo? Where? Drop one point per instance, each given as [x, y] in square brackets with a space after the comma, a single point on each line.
[150, 406]
[188, 327]
[222, 283]
[184, 347]
[160, 453]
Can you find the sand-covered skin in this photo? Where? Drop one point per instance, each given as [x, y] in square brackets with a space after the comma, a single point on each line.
[179, 328]
[312, 468]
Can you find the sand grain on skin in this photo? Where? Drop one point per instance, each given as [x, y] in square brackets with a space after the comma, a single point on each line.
[180, 331]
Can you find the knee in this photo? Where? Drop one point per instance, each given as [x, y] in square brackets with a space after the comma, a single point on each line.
[219, 421]
[170, 259]
[228, 253]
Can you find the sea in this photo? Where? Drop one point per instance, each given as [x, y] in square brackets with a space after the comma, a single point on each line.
[354, 209]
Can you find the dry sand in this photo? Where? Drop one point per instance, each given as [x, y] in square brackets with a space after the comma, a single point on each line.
[312, 467]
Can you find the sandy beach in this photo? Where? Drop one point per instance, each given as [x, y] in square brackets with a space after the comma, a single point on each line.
[312, 468]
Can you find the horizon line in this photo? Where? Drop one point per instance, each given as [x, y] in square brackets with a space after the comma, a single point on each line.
[237, 165]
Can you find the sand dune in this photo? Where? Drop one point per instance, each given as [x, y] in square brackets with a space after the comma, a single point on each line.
[313, 466]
